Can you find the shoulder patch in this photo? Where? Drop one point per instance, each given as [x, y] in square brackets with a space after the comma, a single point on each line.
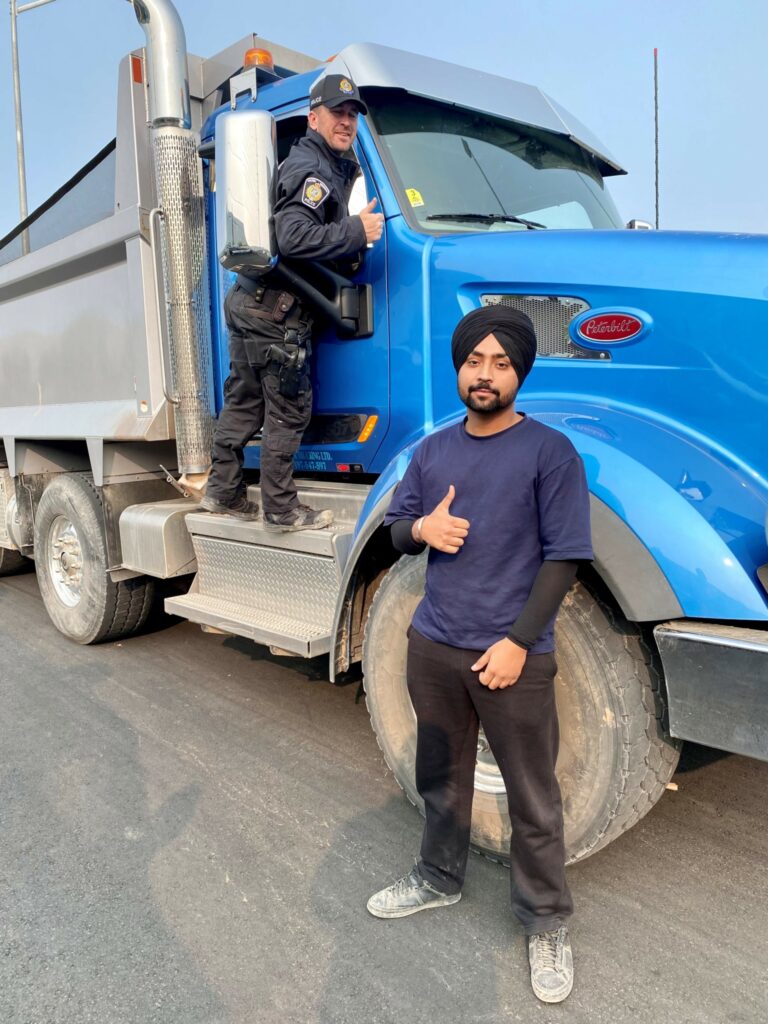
[314, 193]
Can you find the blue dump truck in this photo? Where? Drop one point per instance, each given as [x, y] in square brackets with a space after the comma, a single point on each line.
[652, 360]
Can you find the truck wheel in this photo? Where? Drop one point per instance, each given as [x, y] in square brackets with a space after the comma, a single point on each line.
[81, 599]
[12, 561]
[615, 758]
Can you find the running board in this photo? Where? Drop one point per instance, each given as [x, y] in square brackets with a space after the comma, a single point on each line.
[278, 589]
[269, 628]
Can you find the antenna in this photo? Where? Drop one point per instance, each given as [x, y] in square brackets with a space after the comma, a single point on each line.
[656, 124]
[16, 10]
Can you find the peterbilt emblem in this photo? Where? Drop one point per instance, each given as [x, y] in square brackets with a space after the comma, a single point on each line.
[610, 327]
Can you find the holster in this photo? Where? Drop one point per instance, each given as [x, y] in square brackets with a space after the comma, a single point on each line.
[289, 361]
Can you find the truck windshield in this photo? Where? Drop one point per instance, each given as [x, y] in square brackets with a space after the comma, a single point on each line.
[464, 170]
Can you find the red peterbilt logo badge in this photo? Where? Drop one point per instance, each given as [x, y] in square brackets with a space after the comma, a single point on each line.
[610, 327]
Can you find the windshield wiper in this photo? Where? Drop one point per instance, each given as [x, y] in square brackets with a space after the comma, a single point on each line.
[487, 218]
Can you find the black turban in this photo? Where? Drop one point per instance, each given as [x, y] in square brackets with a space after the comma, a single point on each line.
[511, 328]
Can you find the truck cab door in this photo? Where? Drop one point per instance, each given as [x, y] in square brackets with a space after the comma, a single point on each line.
[350, 377]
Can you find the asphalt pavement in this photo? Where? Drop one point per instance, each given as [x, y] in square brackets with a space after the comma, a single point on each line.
[190, 828]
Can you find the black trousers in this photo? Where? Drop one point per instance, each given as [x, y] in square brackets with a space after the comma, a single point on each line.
[520, 723]
[252, 402]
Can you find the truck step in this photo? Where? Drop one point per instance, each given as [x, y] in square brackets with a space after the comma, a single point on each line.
[332, 542]
[275, 588]
[344, 500]
[265, 627]
[285, 583]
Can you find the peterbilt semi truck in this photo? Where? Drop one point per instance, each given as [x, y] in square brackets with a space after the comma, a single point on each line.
[652, 360]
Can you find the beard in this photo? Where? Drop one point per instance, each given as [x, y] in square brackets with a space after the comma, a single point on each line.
[494, 402]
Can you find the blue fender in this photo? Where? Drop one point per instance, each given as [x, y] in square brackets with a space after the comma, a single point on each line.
[698, 511]
[368, 522]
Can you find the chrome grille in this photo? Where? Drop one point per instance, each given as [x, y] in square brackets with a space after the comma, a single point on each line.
[550, 315]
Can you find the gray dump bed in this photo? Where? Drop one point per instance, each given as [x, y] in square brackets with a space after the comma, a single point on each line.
[83, 335]
[80, 338]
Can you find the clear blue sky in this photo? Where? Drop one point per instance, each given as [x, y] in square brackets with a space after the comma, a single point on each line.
[594, 56]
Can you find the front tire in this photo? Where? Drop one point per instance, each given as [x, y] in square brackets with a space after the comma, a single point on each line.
[82, 600]
[615, 758]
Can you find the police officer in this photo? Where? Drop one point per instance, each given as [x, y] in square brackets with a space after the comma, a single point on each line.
[269, 328]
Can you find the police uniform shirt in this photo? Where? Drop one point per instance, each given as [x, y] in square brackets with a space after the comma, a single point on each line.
[312, 221]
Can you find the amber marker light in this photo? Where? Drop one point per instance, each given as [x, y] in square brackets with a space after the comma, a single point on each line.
[257, 58]
[368, 429]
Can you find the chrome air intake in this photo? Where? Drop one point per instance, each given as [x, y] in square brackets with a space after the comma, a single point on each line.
[180, 201]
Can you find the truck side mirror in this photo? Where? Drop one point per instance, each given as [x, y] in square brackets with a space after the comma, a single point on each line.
[639, 225]
[246, 176]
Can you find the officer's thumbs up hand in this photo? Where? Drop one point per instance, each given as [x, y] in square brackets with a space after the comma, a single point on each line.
[443, 531]
[373, 223]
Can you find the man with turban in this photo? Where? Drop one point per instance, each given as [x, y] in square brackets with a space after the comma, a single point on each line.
[501, 503]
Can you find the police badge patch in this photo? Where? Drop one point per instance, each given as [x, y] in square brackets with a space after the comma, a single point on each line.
[315, 192]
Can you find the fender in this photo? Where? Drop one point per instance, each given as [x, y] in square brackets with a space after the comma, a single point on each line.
[369, 521]
[699, 512]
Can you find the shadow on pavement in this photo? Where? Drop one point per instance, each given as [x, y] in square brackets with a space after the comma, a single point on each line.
[427, 968]
[85, 937]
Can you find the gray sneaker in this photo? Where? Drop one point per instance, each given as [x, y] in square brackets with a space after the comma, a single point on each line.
[408, 895]
[240, 507]
[551, 960]
[301, 518]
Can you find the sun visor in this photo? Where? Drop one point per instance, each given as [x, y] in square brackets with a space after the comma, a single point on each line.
[369, 64]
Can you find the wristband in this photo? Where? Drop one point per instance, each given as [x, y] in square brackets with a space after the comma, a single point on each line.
[417, 529]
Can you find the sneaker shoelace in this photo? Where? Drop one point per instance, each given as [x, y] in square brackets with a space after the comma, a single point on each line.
[547, 948]
[403, 886]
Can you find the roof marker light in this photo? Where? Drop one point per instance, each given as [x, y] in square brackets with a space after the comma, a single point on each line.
[256, 58]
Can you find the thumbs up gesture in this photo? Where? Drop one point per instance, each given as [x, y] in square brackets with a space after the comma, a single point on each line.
[373, 223]
[443, 531]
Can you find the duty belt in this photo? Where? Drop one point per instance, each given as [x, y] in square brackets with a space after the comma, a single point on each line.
[276, 305]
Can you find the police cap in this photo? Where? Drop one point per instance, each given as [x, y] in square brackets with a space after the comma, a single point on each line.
[333, 90]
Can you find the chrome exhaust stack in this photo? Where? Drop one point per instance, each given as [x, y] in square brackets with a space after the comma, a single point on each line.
[181, 207]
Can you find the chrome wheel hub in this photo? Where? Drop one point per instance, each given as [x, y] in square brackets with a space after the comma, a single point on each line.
[65, 561]
[487, 775]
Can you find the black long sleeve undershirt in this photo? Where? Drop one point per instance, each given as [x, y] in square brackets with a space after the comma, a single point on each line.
[401, 533]
[552, 583]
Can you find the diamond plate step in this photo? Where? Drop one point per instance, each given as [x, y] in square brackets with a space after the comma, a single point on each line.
[333, 541]
[274, 630]
[275, 588]
[298, 584]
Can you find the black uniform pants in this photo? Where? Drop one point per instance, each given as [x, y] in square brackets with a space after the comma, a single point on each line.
[252, 402]
[520, 723]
